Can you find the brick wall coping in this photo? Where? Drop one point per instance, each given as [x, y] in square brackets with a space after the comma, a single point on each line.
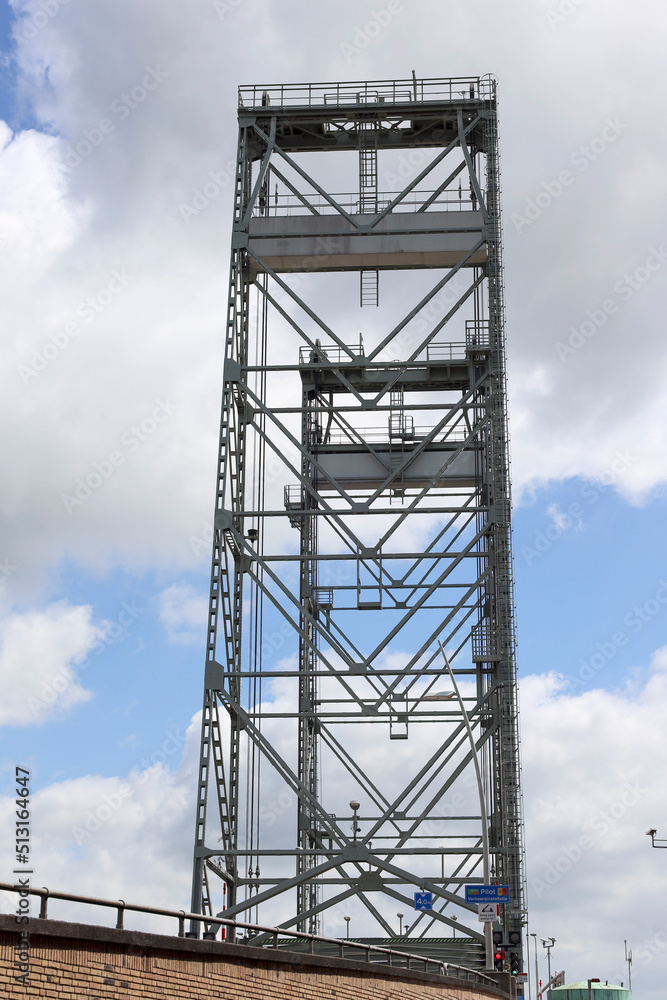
[243, 953]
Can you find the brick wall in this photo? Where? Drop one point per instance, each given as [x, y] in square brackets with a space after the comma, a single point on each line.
[71, 961]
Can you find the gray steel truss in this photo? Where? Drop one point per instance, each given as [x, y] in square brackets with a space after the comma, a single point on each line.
[362, 516]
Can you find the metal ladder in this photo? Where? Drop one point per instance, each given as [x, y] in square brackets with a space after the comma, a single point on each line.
[368, 202]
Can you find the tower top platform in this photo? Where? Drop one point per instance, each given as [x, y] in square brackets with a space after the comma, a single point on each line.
[351, 93]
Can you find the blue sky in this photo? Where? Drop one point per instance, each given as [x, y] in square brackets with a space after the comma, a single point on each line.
[591, 580]
[586, 608]
[143, 685]
[113, 592]
[7, 102]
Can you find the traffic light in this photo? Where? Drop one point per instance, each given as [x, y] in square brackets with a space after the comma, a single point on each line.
[515, 952]
[515, 963]
[498, 951]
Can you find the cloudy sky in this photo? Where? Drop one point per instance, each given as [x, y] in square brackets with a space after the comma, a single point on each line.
[115, 116]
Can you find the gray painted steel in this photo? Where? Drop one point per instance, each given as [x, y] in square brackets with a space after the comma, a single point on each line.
[329, 243]
[362, 516]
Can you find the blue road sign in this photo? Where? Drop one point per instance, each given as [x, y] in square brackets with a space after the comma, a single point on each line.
[487, 894]
[423, 901]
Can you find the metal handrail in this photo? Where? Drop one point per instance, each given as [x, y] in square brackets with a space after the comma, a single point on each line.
[330, 354]
[339, 436]
[332, 95]
[121, 906]
[286, 205]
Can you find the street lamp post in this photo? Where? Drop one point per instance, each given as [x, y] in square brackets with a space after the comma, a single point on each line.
[537, 974]
[347, 930]
[548, 944]
[354, 806]
[488, 932]
[400, 924]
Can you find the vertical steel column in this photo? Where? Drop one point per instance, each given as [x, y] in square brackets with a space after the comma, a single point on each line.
[308, 891]
[226, 581]
[510, 860]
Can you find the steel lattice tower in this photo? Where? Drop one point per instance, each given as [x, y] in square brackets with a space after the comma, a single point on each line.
[362, 517]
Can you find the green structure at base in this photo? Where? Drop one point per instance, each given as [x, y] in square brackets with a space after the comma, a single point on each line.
[599, 991]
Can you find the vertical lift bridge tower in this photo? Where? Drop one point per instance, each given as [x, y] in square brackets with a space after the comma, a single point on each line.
[362, 517]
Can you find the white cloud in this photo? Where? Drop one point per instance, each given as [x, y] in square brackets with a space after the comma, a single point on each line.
[64, 234]
[40, 655]
[183, 612]
[118, 210]
[593, 768]
[114, 837]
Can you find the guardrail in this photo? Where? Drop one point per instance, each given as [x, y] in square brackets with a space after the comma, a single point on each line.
[279, 205]
[331, 95]
[444, 968]
[352, 354]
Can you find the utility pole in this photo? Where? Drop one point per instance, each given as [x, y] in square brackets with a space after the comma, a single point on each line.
[548, 944]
